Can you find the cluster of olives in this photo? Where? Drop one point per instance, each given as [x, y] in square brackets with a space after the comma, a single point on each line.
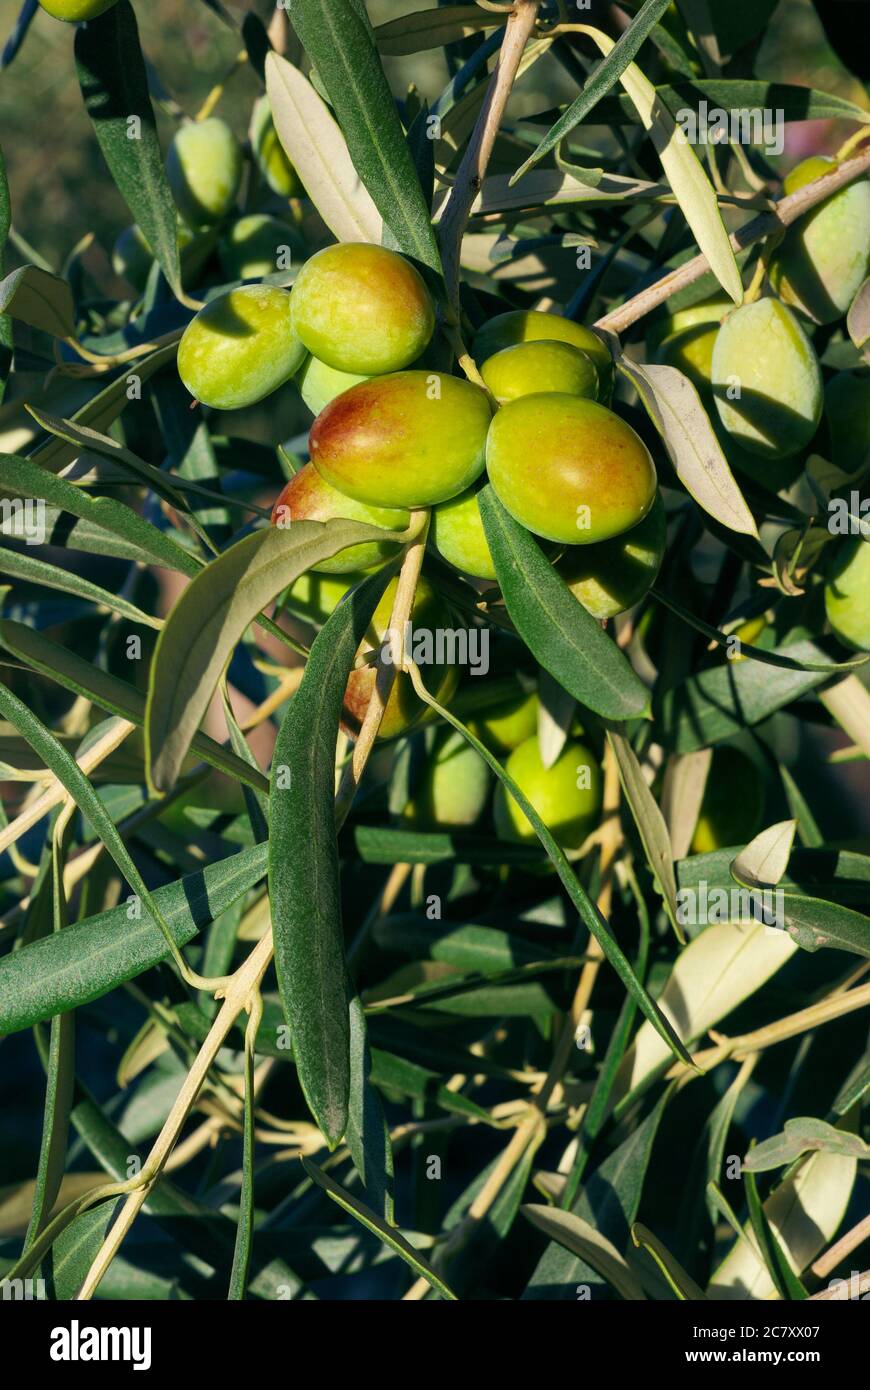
[759, 375]
[392, 434]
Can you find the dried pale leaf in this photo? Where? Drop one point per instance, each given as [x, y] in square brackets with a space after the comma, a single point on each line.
[675, 409]
[316, 147]
[691, 186]
[804, 1213]
[685, 780]
[727, 963]
[555, 712]
[765, 859]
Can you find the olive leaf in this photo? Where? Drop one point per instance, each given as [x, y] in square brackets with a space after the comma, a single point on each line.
[802, 1136]
[39, 299]
[567, 641]
[211, 618]
[340, 45]
[675, 409]
[114, 83]
[617, 58]
[91, 957]
[425, 29]
[318, 151]
[304, 886]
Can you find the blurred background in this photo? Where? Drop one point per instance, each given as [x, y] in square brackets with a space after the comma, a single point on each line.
[55, 169]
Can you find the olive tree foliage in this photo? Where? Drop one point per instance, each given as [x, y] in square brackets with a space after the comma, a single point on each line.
[580, 939]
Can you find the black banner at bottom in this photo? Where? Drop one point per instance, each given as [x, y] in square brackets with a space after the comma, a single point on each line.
[148, 1338]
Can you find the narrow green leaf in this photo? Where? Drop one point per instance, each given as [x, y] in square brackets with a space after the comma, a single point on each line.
[609, 1202]
[103, 408]
[368, 1135]
[744, 95]
[245, 1227]
[565, 639]
[607, 73]
[388, 1234]
[24, 477]
[783, 1277]
[20, 565]
[114, 83]
[581, 1238]
[723, 700]
[650, 824]
[210, 619]
[682, 1283]
[72, 1254]
[91, 957]
[304, 889]
[59, 1062]
[111, 693]
[747, 649]
[341, 48]
[425, 29]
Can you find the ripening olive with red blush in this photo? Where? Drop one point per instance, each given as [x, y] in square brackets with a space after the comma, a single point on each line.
[408, 439]
[308, 497]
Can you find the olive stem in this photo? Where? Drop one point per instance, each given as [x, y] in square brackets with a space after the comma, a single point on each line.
[469, 176]
[386, 674]
[787, 211]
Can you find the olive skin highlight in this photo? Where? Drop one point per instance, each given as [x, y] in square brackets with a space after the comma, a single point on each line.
[568, 469]
[531, 325]
[538, 366]
[409, 439]
[362, 308]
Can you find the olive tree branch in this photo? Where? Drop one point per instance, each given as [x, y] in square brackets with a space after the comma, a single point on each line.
[469, 175]
[786, 211]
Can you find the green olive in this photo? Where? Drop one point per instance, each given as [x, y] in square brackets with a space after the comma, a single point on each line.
[457, 534]
[454, 788]
[566, 796]
[614, 575]
[240, 348]
[569, 469]
[362, 308]
[540, 366]
[732, 805]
